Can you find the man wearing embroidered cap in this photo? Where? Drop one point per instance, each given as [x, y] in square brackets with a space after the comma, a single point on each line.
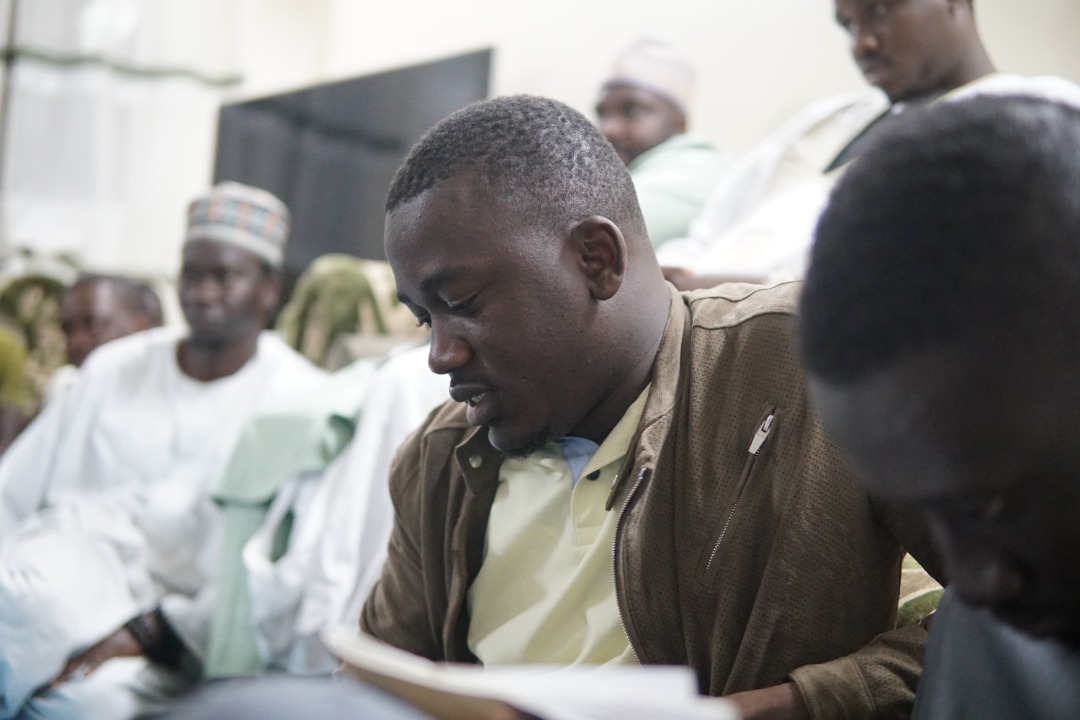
[246, 216]
[105, 525]
[238, 232]
[642, 111]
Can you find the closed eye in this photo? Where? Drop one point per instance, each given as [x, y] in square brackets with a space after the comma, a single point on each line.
[422, 318]
[463, 308]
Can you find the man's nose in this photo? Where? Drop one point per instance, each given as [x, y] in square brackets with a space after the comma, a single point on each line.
[205, 290]
[447, 352]
[610, 126]
[863, 40]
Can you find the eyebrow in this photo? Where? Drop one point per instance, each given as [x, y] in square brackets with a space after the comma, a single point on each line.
[431, 283]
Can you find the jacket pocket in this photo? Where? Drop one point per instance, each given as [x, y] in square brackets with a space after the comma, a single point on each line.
[760, 442]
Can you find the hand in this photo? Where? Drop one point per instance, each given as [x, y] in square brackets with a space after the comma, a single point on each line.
[120, 644]
[779, 702]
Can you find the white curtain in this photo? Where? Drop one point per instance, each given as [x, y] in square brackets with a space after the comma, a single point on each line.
[111, 119]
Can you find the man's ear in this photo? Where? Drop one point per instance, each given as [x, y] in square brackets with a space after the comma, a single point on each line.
[601, 250]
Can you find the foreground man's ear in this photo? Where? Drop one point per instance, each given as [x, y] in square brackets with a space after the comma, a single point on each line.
[602, 250]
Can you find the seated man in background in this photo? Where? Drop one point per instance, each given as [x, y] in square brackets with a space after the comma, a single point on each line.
[759, 222]
[306, 514]
[941, 333]
[630, 475]
[97, 309]
[104, 511]
[643, 110]
[100, 308]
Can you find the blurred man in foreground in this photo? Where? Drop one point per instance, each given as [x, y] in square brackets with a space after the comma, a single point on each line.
[941, 333]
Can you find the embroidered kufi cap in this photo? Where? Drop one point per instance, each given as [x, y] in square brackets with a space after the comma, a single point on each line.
[249, 217]
[656, 66]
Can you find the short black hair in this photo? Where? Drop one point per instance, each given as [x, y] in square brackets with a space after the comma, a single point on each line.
[138, 296]
[542, 157]
[960, 223]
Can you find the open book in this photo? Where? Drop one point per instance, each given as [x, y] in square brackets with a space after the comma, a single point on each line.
[468, 692]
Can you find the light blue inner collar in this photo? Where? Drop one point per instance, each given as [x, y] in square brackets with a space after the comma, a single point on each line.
[577, 452]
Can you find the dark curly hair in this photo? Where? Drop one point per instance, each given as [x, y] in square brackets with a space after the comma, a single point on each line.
[138, 296]
[961, 223]
[541, 157]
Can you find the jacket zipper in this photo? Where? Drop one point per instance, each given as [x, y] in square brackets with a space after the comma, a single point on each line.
[756, 444]
[643, 474]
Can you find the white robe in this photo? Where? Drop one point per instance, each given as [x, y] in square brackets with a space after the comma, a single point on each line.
[338, 543]
[104, 503]
[760, 220]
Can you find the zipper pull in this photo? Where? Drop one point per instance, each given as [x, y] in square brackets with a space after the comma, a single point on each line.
[761, 434]
[642, 475]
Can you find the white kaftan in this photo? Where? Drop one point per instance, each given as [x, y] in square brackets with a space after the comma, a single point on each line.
[104, 503]
[760, 220]
[339, 540]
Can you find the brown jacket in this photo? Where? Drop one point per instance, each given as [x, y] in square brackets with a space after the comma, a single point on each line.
[750, 568]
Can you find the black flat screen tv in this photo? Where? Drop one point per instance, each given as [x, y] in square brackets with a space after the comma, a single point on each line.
[329, 151]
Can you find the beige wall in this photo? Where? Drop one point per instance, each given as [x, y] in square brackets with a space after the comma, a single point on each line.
[758, 61]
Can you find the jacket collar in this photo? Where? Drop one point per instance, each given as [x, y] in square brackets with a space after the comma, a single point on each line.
[478, 460]
[666, 387]
[667, 367]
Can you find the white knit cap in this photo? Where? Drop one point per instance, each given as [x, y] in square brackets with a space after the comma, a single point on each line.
[655, 65]
[252, 218]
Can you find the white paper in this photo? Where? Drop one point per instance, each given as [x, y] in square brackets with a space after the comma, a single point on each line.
[620, 692]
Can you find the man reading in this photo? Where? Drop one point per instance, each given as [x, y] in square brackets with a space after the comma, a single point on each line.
[629, 475]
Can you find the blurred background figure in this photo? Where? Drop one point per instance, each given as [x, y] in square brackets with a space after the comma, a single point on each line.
[643, 111]
[15, 395]
[758, 224]
[95, 310]
[30, 307]
[344, 308]
[31, 345]
[100, 308]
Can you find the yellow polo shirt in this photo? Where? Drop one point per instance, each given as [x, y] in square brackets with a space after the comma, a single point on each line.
[545, 593]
